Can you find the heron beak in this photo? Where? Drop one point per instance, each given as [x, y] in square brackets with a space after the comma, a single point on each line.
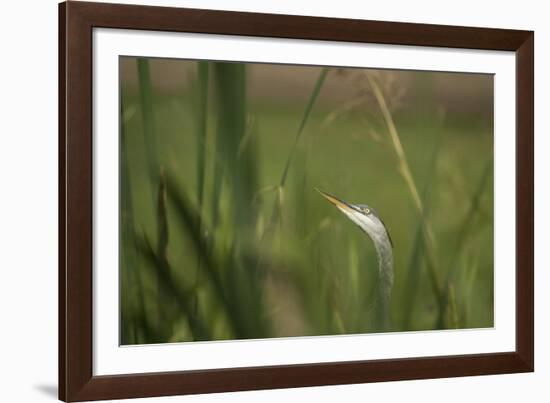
[342, 205]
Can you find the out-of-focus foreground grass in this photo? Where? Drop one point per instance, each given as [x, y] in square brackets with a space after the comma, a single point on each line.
[222, 235]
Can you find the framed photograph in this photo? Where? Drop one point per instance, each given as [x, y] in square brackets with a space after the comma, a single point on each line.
[252, 201]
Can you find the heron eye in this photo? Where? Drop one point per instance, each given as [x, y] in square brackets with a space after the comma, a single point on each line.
[366, 210]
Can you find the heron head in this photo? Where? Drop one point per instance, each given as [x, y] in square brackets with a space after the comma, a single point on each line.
[362, 215]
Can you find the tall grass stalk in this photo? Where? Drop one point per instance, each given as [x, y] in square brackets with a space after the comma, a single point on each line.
[151, 152]
[464, 231]
[312, 99]
[279, 190]
[203, 73]
[240, 173]
[148, 119]
[405, 171]
[418, 249]
[279, 199]
[453, 310]
[471, 271]
[136, 314]
[469, 219]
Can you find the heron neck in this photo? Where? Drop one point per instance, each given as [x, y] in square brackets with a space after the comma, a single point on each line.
[384, 253]
[385, 264]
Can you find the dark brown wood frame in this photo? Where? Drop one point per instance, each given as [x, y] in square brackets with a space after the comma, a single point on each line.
[76, 23]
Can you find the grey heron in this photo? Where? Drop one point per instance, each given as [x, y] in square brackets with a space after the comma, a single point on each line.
[369, 222]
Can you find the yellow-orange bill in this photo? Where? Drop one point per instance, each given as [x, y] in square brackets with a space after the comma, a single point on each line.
[334, 200]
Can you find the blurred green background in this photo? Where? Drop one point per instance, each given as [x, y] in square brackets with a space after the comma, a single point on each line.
[222, 235]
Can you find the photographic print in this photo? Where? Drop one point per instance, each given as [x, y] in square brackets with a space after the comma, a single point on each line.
[268, 200]
[258, 201]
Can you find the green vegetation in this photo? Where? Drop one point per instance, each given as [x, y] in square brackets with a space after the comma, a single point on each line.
[223, 236]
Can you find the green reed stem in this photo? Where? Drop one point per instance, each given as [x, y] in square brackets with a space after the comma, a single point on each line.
[405, 171]
[312, 99]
